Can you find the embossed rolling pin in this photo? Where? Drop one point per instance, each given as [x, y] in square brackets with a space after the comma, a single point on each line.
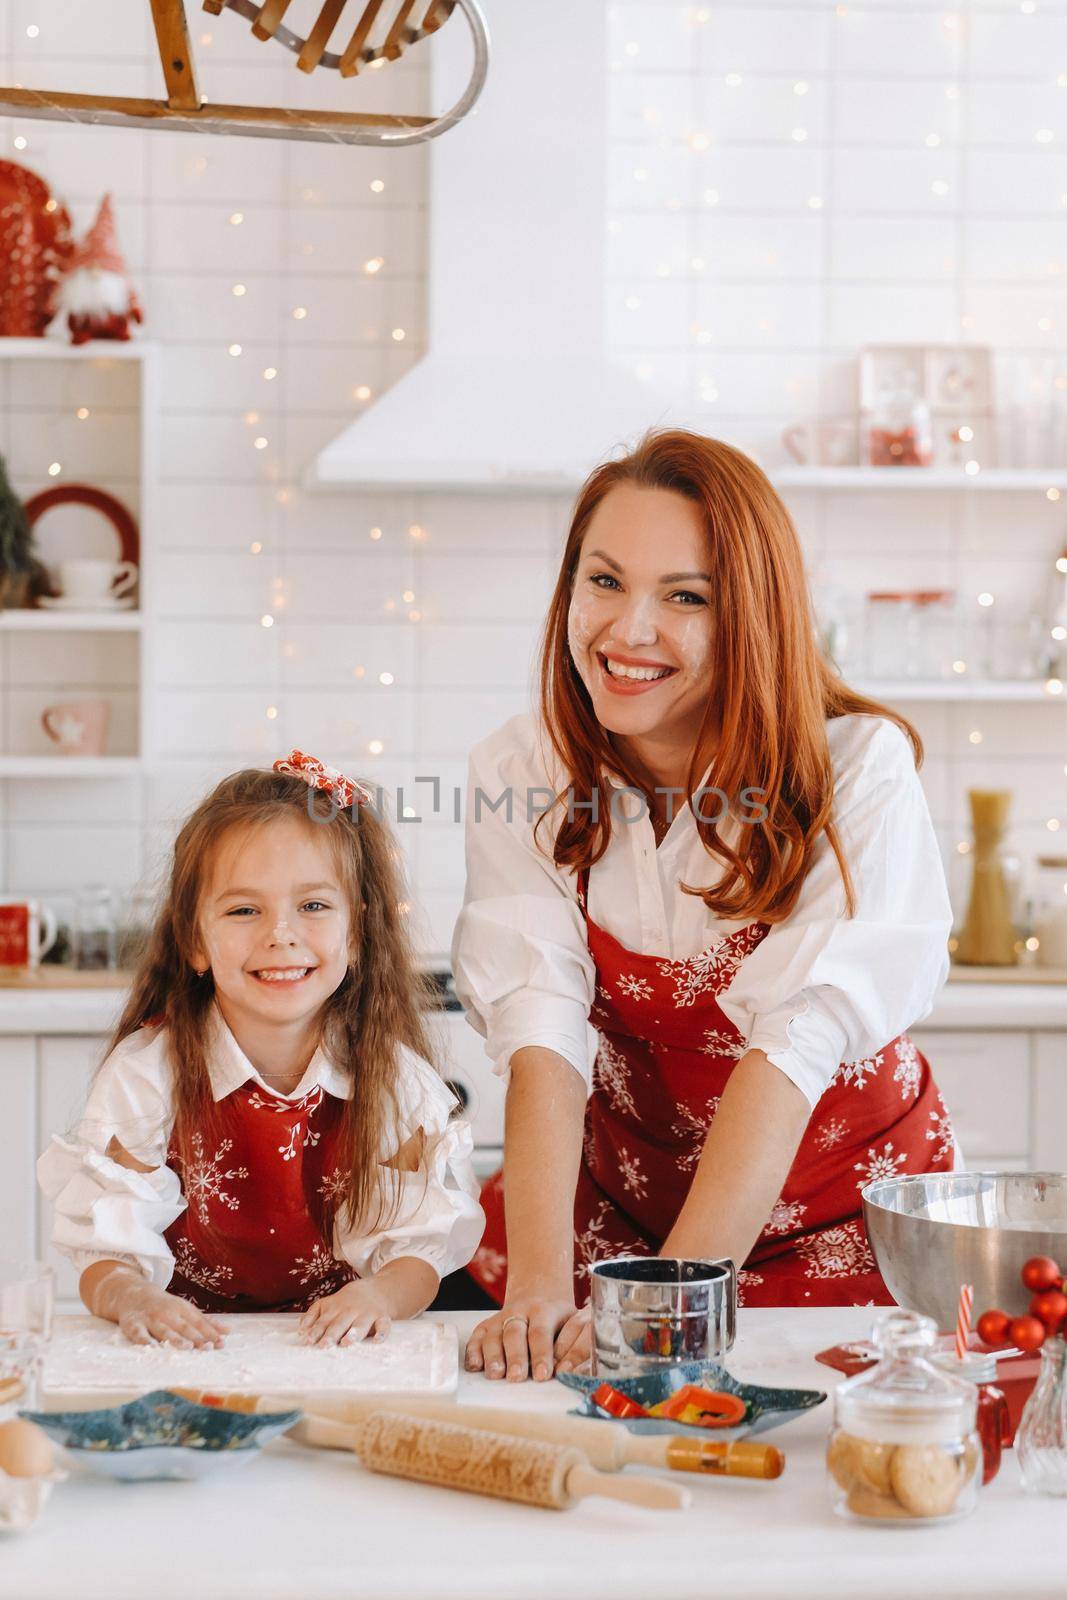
[500, 1465]
[608, 1446]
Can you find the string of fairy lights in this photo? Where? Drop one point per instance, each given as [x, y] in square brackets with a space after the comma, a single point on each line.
[695, 197]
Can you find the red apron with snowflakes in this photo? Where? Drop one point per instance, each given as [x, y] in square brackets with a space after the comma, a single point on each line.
[666, 1052]
[250, 1238]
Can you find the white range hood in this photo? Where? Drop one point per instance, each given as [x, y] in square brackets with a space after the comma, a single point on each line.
[516, 391]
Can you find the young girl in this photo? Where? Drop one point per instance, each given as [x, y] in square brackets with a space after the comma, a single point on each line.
[265, 1132]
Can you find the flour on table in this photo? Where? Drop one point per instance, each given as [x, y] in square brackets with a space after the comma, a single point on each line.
[262, 1354]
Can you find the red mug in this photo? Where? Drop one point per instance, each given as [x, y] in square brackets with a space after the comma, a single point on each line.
[27, 932]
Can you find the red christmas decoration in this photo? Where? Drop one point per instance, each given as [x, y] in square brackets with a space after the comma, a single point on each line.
[35, 245]
[97, 295]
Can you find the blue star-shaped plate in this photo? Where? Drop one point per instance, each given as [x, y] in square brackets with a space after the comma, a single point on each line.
[765, 1408]
[162, 1435]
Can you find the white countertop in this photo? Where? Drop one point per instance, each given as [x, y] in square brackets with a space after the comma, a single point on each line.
[312, 1525]
[1011, 1004]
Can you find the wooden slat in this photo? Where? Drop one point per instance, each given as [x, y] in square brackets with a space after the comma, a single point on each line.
[175, 54]
[437, 14]
[398, 37]
[350, 60]
[319, 37]
[270, 14]
[265, 121]
[214, 6]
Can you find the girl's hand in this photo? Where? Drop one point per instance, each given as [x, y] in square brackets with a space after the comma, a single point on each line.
[532, 1322]
[149, 1315]
[349, 1315]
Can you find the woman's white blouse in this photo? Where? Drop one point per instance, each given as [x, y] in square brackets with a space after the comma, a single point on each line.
[104, 1210]
[822, 988]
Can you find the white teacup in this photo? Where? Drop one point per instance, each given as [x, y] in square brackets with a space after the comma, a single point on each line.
[96, 580]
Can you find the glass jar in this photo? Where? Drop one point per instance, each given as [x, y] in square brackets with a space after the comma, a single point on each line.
[1050, 911]
[892, 629]
[94, 929]
[899, 431]
[1041, 1442]
[990, 936]
[937, 626]
[903, 1447]
[994, 1422]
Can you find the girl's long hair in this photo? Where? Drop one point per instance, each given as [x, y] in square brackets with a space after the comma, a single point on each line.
[771, 689]
[378, 1007]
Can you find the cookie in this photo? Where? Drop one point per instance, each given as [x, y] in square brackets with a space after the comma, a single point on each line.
[864, 1502]
[839, 1460]
[925, 1479]
[860, 1461]
[872, 1463]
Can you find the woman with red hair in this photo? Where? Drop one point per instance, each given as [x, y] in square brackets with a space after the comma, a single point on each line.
[704, 902]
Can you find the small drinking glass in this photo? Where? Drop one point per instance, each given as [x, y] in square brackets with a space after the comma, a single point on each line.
[94, 929]
[27, 1294]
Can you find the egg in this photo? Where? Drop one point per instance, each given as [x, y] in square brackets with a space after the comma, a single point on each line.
[25, 1450]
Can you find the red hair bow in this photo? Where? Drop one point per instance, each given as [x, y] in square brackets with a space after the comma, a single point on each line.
[318, 776]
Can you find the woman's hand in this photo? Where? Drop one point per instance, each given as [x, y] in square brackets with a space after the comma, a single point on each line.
[359, 1309]
[574, 1342]
[520, 1337]
[149, 1315]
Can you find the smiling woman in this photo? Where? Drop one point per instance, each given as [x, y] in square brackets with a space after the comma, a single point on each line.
[718, 932]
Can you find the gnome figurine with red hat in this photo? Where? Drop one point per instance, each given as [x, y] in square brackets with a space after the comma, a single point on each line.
[96, 294]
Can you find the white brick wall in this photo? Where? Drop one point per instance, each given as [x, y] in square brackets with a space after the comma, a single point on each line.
[758, 262]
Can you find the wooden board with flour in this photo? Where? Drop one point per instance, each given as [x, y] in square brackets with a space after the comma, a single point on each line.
[89, 1362]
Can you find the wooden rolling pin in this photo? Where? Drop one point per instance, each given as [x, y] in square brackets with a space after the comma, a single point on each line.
[499, 1465]
[330, 1425]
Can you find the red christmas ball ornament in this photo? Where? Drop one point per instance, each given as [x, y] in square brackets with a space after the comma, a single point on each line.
[1040, 1273]
[1050, 1307]
[993, 1328]
[1027, 1333]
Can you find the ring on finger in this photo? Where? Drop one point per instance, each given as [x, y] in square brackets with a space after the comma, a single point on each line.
[506, 1324]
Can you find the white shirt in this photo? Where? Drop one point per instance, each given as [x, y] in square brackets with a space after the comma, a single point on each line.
[821, 989]
[104, 1210]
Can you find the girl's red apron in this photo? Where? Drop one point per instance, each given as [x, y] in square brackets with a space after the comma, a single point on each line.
[249, 1238]
[666, 1052]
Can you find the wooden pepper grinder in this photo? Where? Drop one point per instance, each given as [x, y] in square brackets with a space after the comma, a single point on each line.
[988, 937]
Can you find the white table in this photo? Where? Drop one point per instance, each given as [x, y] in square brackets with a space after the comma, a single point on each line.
[311, 1525]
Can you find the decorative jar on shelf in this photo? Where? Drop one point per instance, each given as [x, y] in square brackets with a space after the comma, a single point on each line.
[899, 431]
[1050, 911]
[989, 937]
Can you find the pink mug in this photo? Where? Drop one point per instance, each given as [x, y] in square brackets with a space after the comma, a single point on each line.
[79, 727]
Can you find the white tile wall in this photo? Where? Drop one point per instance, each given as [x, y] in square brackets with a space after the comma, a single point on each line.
[772, 208]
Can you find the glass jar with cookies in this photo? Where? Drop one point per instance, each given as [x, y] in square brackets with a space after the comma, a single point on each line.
[904, 1446]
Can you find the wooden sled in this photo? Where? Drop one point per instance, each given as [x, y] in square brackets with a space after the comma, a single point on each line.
[382, 32]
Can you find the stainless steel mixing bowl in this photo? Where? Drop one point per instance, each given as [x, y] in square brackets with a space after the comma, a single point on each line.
[932, 1233]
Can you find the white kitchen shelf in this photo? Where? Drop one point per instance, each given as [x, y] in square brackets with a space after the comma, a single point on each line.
[20, 625]
[69, 766]
[31, 621]
[962, 689]
[894, 478]
[60, 350]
